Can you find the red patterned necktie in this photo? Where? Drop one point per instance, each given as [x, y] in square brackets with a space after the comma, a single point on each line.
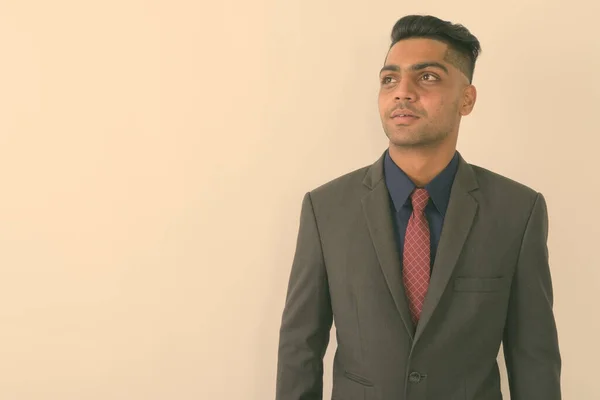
[416, 255]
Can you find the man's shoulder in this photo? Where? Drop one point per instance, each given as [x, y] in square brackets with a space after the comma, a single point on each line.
[344, 184]
[492, 183]
[503, 188]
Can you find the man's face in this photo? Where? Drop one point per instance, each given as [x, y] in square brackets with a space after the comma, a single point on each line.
[420, 78]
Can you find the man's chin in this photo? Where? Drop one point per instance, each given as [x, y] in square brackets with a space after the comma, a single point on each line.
[403, 141]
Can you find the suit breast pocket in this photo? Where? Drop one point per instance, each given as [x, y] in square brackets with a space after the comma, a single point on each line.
[481, 285]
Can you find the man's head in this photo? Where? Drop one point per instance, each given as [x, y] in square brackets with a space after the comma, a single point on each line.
[427, 75]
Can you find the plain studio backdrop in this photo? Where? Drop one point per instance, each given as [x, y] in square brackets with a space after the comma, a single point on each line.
[154, 155]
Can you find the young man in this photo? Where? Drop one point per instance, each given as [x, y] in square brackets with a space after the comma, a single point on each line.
[425, 262]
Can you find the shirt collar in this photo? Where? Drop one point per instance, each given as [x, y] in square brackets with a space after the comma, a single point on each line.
[400, 186]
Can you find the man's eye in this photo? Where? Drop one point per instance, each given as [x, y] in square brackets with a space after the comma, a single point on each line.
[431, 77]
[387, 79]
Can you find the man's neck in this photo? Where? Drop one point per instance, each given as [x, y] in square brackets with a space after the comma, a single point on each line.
[421, 165]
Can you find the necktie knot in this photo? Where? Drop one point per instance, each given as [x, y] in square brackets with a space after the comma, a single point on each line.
[419, 198]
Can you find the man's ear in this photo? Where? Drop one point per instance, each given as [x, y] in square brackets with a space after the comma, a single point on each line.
[468, 101]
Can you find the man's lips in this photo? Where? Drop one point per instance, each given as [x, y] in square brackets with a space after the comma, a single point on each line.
[402, 114]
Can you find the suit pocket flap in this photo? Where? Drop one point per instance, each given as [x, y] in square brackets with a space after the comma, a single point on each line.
[357, 379]
[479, 284]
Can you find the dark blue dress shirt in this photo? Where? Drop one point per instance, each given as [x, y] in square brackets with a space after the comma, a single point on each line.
[401, 187]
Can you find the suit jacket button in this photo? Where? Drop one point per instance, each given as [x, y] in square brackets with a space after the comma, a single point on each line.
[414, 377]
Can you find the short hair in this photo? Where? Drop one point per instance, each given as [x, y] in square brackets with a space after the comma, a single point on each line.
[463, 46]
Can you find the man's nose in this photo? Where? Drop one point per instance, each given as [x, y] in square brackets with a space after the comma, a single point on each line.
[405, 91]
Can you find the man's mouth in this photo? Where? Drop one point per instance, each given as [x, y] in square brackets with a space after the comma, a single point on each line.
[402, 114]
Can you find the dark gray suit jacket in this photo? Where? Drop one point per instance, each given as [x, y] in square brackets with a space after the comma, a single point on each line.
[490, 284]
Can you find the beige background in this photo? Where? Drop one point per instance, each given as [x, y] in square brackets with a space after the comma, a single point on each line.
[153, 157]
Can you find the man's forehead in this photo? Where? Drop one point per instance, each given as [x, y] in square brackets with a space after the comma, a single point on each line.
[418, 53]
[414, 50]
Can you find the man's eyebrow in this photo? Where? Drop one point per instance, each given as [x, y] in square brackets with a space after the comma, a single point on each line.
[415, 67]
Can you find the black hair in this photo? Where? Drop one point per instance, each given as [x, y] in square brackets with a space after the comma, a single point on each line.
[463, 46]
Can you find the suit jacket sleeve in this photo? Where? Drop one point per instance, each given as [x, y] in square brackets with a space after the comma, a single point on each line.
[307, 316]
[531, 348]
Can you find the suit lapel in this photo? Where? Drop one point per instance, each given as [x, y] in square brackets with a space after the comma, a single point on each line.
[377, 210]
[459, 218]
